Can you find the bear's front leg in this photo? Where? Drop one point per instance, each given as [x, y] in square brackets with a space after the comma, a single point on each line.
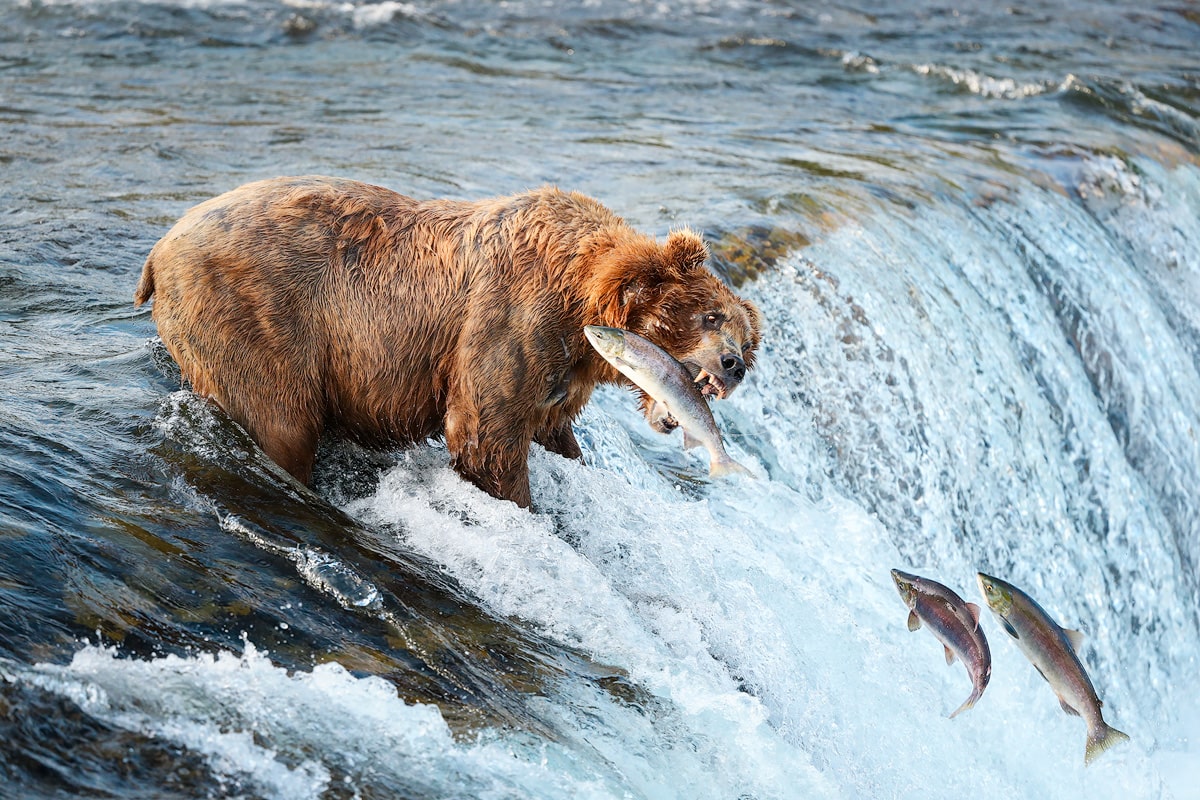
[494, 462]
[560, 440]
[490, 416]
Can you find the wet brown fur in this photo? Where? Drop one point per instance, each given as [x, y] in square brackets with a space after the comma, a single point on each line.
[299, 304]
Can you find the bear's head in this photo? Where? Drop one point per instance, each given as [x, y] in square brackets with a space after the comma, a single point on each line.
[665, 293]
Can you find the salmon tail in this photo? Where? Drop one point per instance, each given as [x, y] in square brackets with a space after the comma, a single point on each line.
[969, 703]
[727, 466]
[1100, 740]
[145, 287]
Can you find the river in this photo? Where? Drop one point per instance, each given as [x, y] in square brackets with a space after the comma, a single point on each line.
[973, 230]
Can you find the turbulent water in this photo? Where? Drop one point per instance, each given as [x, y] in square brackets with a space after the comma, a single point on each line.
[973, 231]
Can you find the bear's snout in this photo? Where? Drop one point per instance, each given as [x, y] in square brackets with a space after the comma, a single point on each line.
[735, 368]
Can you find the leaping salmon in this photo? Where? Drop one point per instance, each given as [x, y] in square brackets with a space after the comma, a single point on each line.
[1053, 652]
[954, 622]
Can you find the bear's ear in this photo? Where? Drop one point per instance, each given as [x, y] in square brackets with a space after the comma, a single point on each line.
[685, 250]
[755, 316]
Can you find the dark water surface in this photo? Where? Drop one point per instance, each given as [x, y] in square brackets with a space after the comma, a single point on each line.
[975, 232]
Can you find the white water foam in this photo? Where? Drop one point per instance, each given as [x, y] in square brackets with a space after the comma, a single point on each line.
[985, 85]
[294, 736]
[766, 622]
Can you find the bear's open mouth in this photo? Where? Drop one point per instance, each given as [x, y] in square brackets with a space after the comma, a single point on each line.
[710, 385]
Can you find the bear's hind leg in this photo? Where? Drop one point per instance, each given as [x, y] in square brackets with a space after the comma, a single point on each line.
[288, 435]
[293, 449]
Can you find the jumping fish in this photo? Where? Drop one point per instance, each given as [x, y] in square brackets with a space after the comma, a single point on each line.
[954, 622]
[667, 381]
[1052, 650]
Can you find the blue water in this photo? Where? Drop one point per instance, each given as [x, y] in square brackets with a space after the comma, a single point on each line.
[974, 234]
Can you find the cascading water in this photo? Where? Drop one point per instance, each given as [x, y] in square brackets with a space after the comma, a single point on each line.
[974, 235]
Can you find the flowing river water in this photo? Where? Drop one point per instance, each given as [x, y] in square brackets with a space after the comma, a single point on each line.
[974, 233]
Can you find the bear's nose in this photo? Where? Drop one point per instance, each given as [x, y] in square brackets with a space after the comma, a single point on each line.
[733, 366]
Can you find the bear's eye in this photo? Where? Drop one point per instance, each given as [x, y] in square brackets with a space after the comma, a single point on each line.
[713, 320]
[746, 347]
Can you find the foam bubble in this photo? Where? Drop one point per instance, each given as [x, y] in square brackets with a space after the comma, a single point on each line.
[985, 85]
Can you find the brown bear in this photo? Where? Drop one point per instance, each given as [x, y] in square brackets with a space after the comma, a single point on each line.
[305, 303]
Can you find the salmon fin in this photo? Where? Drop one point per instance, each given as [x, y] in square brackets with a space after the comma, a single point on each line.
[1075, 638]
[914, 622]
[719, 469]
[1104, 738]
[690, 442]
[1011, 631]
[1039, 671]
[973, 610]
[949, 655]
[968, 704]
[1067, 707]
